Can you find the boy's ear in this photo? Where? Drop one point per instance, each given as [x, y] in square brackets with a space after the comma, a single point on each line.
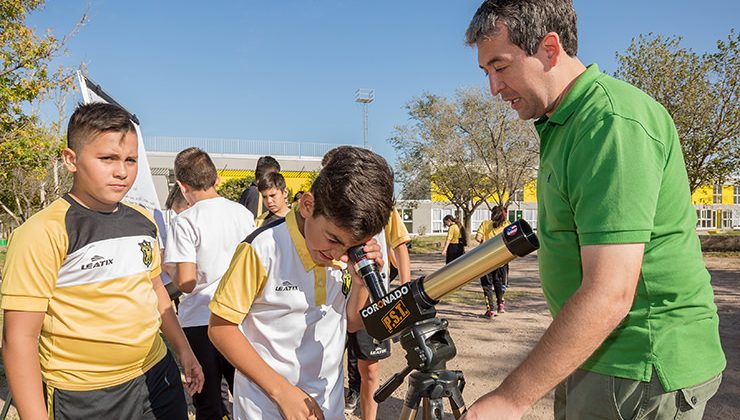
[306, 205]
[183, 187]
[69, 157]
[218, 181]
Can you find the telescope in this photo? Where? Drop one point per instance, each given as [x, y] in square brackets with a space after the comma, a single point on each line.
[413, 302]
[409, 311]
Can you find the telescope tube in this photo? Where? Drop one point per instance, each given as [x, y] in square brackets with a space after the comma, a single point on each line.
[517, 240]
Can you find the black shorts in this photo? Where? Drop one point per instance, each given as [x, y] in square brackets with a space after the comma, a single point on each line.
[157, 394]
[363, 346]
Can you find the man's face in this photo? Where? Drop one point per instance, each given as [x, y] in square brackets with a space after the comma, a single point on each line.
[520, 79]
[104, 169]
[275, 199]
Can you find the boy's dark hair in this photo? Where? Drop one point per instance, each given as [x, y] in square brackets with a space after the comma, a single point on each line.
[266, 164]
[463, 232]
[354, 190]
[195, 168]
[174, 198]
[271, 180]
[528, 22]
[298, 195]
[92, 119]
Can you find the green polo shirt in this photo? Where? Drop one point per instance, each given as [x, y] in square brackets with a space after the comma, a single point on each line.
[612, 172]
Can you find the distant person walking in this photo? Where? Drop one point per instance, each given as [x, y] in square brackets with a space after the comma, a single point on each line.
[456, 239]
[497, 280]
[251, 197]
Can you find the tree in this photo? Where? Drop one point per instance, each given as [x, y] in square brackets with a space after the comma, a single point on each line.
[29, 149]
[233, 188]
[470, 150]
[699, 92]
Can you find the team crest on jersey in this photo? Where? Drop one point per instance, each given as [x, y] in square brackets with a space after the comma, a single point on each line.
[146, 250]
[346, 281]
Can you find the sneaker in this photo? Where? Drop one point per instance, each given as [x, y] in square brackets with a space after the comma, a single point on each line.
[501, 308]
[489, 314]
[351, 398]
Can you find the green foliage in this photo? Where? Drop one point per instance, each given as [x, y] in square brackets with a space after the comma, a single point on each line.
[469, 150]
[29, 148]
[700, 93]
[233, 188]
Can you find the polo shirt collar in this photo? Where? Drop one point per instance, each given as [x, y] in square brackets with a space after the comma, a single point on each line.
[569, 104]
[298, 240]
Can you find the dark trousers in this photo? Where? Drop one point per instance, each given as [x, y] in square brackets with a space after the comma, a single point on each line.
[156, 395]
[495, 282]
[453, 252]
[209, 402]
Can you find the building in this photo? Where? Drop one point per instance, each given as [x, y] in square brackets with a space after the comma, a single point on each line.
[717, 208]
[234, 158]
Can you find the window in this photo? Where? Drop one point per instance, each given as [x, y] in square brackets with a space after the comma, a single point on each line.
[481, 213]
[407, 215]
[706, 219]
[726, 219]
[437, 216]
[717, 194]
[736, 218]
[736, 195]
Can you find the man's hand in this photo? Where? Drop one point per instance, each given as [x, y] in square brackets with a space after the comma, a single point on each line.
[492, 406]
[193, 372]
[294, 404]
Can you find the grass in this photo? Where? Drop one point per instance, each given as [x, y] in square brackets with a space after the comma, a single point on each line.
[427, 244]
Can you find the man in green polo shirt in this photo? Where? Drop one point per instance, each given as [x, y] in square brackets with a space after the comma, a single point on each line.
[635, 329]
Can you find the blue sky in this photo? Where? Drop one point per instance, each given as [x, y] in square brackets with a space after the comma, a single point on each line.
[288, 70]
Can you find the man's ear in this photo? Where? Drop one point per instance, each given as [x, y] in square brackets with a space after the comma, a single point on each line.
[550, 48]
[306, 206]
[69, 157]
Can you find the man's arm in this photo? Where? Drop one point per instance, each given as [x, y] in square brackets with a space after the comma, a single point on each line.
[171, 328]
[21, 360]
[610, 275]
[185, 276]
[291, 400]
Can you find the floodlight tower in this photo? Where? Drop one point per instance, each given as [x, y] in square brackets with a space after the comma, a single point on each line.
[364, 97]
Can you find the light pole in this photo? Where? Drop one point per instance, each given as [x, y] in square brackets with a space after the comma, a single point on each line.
[364, 97]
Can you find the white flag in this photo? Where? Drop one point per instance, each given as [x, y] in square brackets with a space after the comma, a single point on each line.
[142, 193]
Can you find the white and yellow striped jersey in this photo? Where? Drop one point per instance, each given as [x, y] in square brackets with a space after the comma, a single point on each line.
[91, 274]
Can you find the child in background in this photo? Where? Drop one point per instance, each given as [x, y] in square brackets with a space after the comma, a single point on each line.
[282, 310]
[456, 241]
[201, 244]
[497, 279]
[275, 196]
[82, 296]
[175, 204]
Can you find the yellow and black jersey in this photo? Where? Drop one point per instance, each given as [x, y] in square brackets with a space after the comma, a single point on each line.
[91, 274]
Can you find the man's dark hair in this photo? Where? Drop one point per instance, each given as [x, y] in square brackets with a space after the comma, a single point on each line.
[271, 180]
[195, 168]
[266, 164]
[92, 119]
[354, 190]
[528, 22]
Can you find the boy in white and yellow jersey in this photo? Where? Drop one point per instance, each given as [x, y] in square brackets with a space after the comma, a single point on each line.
[282, 309]
[82, 296]
[274, 194]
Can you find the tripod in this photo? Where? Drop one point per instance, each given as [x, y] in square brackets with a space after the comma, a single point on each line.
[428, 347]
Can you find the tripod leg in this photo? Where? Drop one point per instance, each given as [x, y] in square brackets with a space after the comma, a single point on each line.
[410, 403]
[433, 409]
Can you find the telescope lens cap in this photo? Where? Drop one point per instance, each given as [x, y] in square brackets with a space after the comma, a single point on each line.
[520, 239]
